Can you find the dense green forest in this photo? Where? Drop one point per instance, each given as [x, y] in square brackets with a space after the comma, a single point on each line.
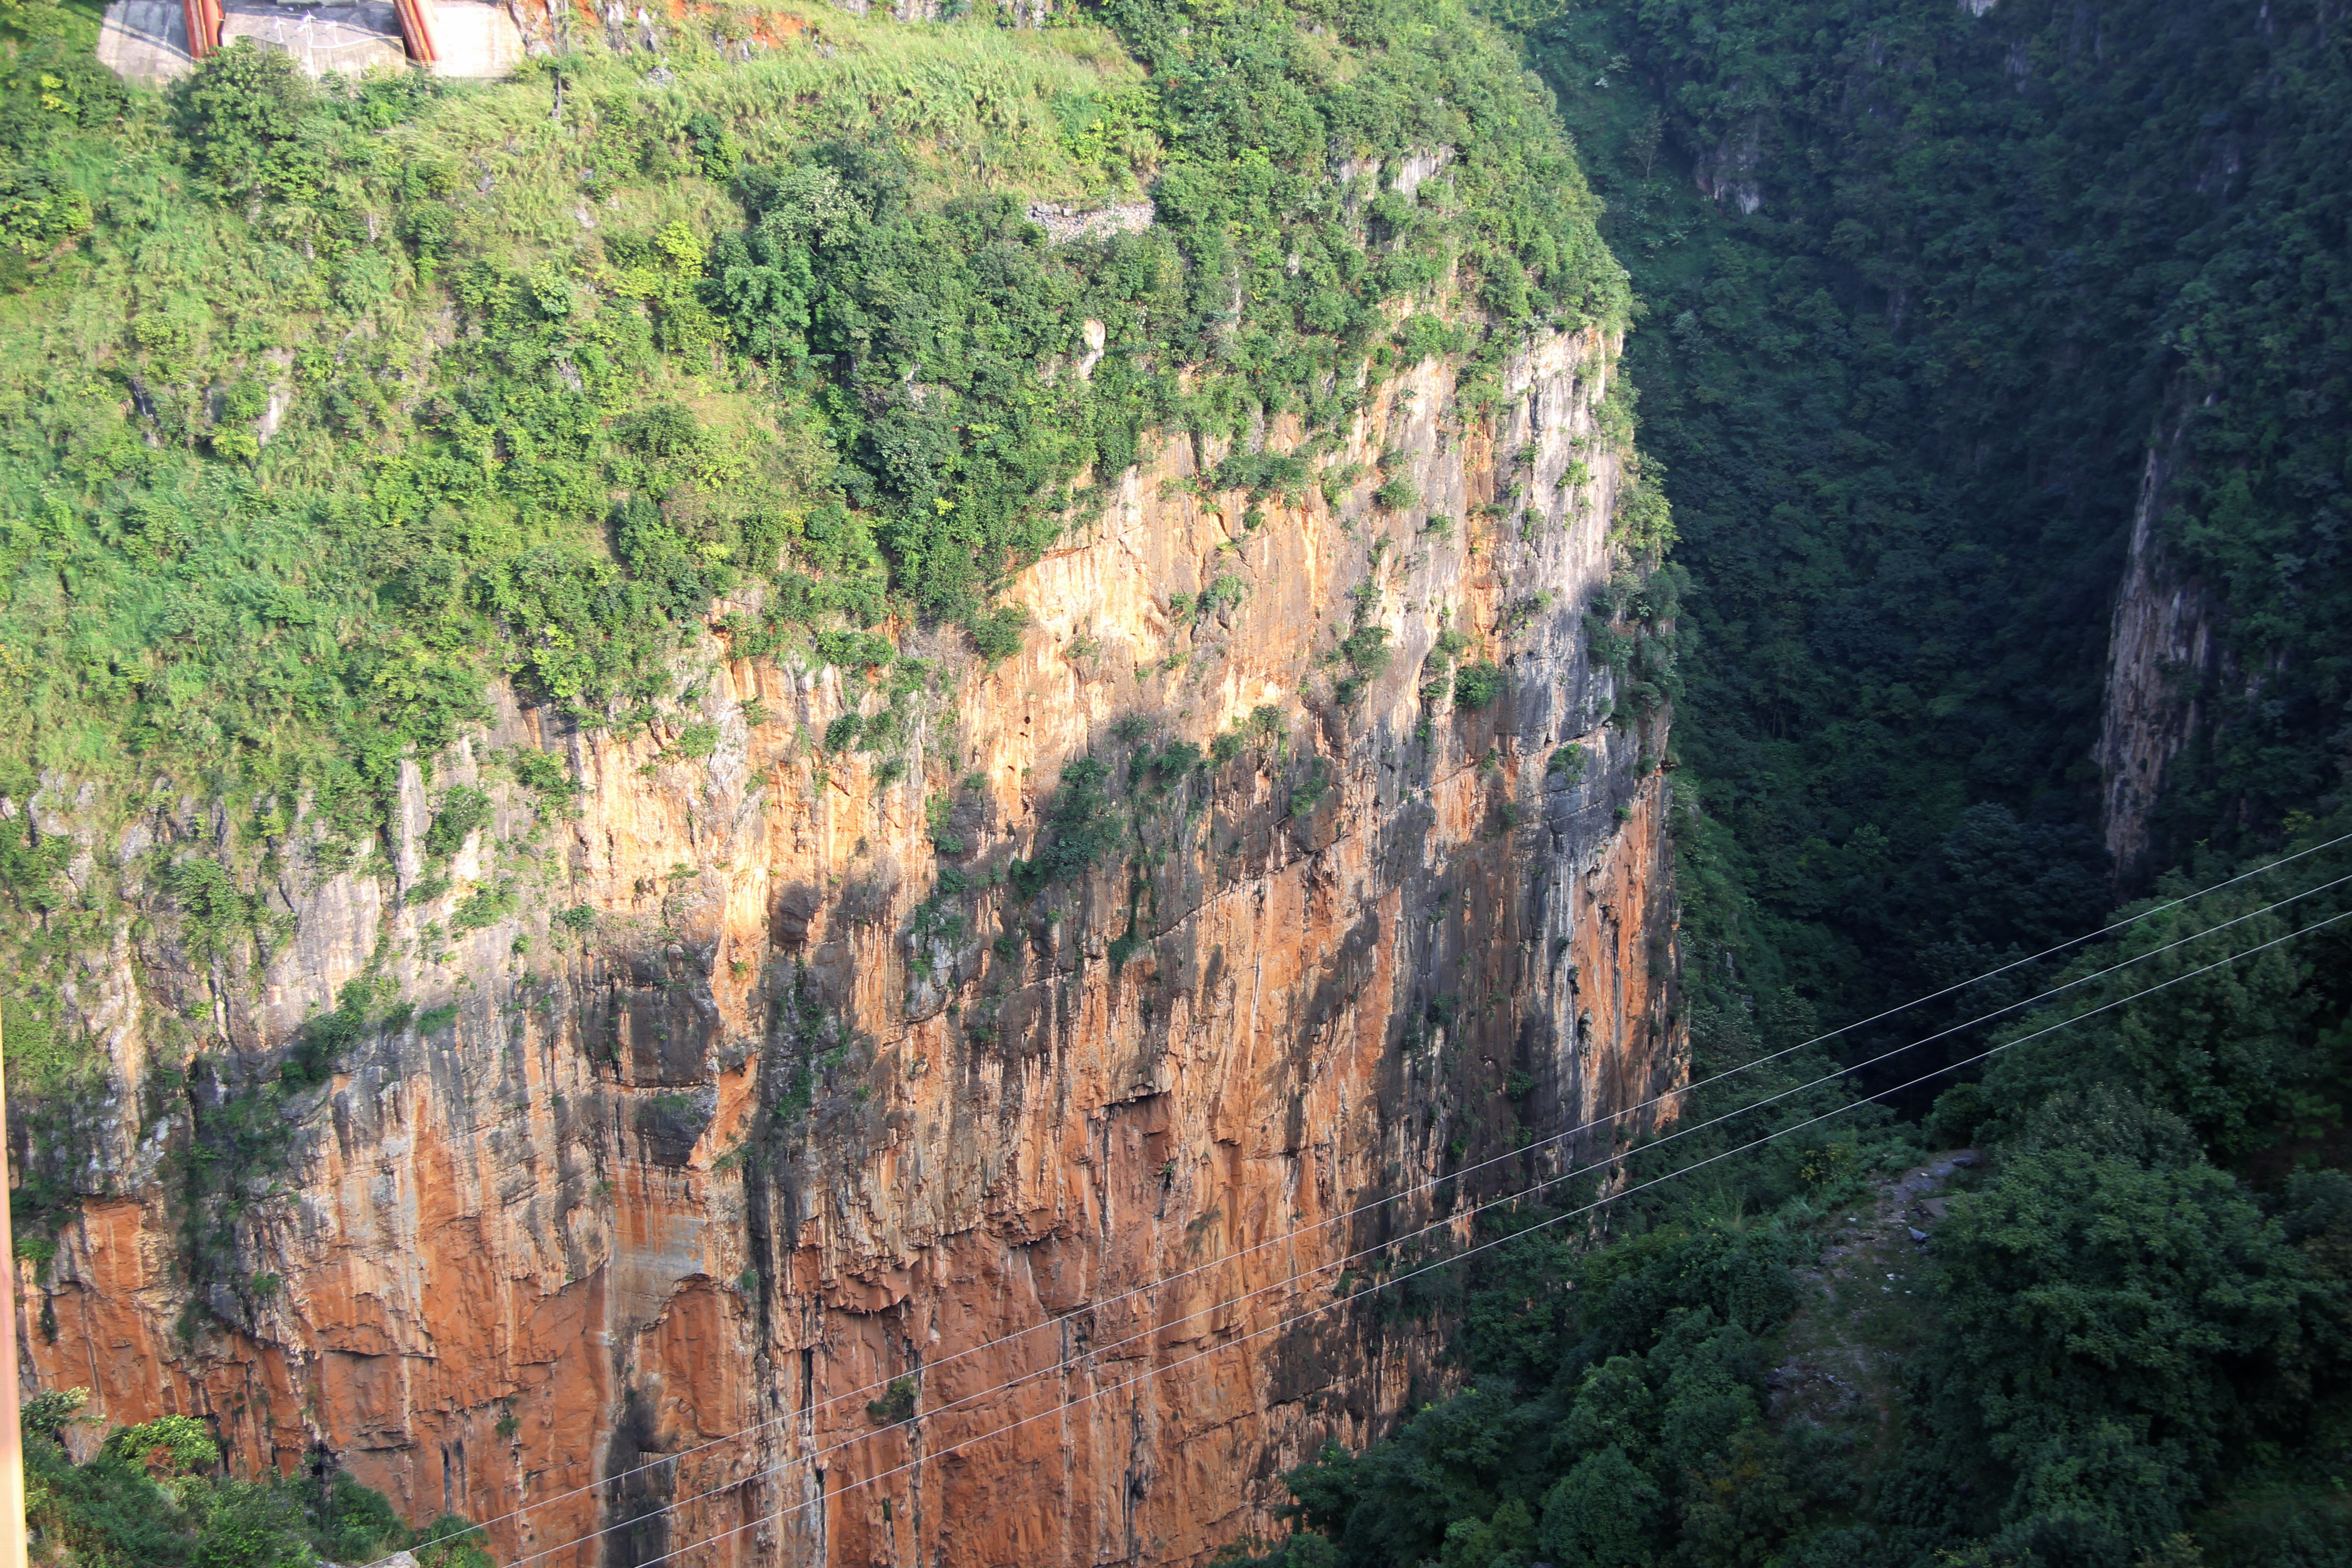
[1904, 406]
[1920, 285]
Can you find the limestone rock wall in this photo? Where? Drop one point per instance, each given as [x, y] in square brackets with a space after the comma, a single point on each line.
[2161, 650]
[733, 1115]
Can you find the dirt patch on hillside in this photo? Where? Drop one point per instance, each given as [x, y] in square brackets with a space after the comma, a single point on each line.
[1864, 1306]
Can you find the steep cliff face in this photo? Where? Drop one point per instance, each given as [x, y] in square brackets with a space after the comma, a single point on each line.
[2161, 651]
[788, 1088]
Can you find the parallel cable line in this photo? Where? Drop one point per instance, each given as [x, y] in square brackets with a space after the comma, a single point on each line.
[1152, 1372]
[1450, 1222]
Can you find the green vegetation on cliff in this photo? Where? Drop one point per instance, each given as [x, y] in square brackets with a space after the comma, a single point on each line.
[151, 1496]
[341, 399]
[323, 405]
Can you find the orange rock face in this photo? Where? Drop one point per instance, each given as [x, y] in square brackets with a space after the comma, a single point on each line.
[912, 1155]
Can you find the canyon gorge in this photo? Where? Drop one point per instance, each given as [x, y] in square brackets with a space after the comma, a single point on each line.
[1367, 783]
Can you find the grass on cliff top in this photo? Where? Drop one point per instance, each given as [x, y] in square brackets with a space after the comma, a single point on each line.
[176, 585]
[293, 378]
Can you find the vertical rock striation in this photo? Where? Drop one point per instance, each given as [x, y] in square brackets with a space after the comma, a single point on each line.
[2161, 651]
[762, 1097]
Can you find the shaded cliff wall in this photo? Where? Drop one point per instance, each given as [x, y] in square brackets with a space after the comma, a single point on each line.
[753, 1093]
[2160, 650]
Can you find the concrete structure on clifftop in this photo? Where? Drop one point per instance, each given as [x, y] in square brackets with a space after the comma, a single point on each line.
[152, 42]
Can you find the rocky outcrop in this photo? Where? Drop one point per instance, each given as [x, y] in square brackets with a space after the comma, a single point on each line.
[2160, 653]
[783, 1085]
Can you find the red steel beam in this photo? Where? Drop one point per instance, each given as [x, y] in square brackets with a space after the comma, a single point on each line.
[204, 27]
[415, 29]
